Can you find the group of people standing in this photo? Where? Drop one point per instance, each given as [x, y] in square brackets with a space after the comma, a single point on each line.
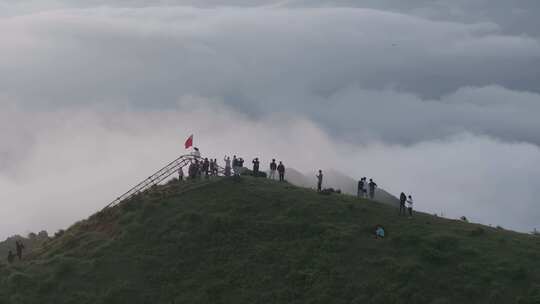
[238, 167]
[364, 186]
[19, 247]
[405, 204]
[208, 167]
[280, 168]
[234, 167]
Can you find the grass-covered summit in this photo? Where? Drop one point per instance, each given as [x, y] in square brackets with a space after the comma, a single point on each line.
[258, 241]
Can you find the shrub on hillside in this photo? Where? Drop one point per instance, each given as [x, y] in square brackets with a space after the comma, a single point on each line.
[59, 233]
[478, 231]
[328, 191]
[18, 281]
[247, 172]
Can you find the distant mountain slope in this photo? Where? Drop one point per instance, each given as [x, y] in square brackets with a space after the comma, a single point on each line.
[297, 178]
[338, 180]
[251, 240]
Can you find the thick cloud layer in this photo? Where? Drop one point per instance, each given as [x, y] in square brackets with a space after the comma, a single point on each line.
[435, 97]
[79, 160]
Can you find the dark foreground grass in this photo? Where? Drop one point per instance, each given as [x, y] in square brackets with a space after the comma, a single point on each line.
[257, 241]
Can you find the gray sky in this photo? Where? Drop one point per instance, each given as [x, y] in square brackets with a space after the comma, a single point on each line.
[436, 98]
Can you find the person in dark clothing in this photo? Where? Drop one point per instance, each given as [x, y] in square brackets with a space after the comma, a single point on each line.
[206, 167]
[402, 200]
[273, 169]
[364, 192]
[180, 174]
[236, 169]
[227, 166]
[10, 257]
[199, 165]
[194, 170]
[361, 188]
[281, 172]
[372, 185]
[191, 171]
[215, 170]
[20, 248]
[256, 164]
[319, 181]
[212, 167]
[240, 166]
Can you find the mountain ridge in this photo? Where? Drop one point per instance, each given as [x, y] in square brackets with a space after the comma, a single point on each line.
[252, 240]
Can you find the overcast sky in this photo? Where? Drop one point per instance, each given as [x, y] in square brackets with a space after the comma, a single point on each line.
[439, 99]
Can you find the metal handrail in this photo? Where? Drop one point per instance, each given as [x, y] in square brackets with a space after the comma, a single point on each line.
[155, 178]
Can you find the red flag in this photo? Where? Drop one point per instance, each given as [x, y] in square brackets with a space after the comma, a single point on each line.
[189, 142]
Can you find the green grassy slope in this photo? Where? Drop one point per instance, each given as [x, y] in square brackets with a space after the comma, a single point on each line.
[257, 241]
[28, 242]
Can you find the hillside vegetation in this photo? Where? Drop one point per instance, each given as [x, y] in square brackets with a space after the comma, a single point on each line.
[259, 241]
[30, 242]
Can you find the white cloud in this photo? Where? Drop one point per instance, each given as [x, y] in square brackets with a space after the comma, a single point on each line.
[443, 105]
[82, 158]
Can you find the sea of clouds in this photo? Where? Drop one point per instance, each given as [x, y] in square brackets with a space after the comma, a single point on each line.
[437, 100]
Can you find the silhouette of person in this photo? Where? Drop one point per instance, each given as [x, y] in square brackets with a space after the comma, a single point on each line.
[372, 186]
[273, 168]
[20, 248]
[410, 205]
[256, 164]
[180, 174]
[227, 166]
[235, 165]
[192, 170]
[212, 167]
[361, 187]
[216, 168]
[197, 169]
[402, 200]
[281, 171]
[206, 167]
[240, 165]
[319, 181]
[365, 187]
[10, 257]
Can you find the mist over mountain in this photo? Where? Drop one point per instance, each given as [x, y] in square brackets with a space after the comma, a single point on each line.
[337, 180]
[435, 98]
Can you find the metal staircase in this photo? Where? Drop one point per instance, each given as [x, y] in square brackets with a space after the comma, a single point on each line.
[156, 178]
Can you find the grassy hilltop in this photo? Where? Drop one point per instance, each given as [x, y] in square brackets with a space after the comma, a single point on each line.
[258, 241]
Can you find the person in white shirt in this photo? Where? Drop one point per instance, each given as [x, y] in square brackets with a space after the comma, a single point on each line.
[273, 169]
[410, 205]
